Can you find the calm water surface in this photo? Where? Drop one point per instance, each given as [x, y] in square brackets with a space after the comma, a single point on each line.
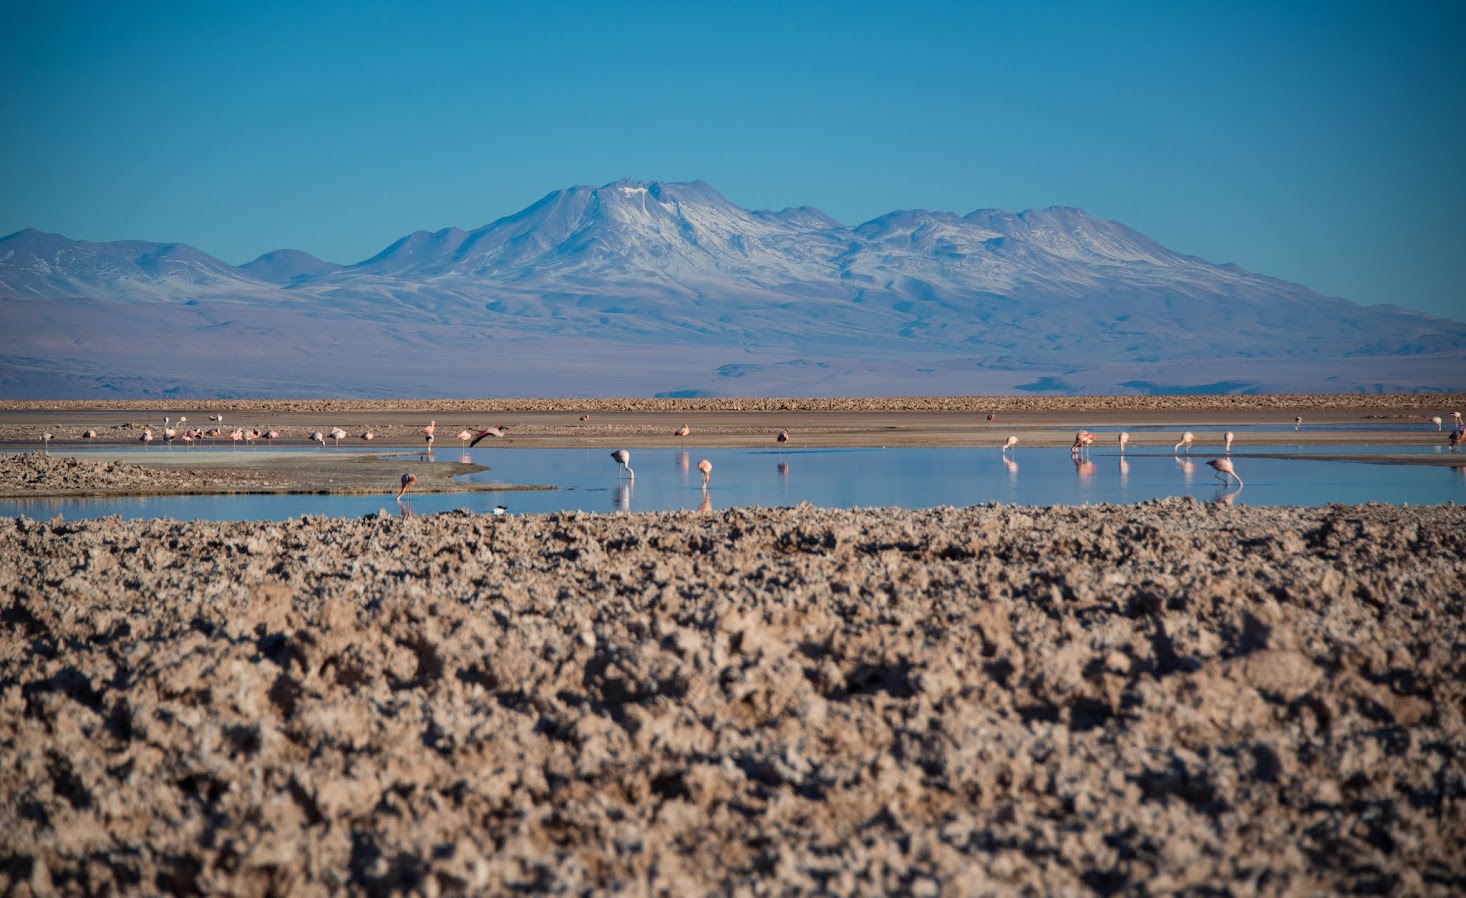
[667, 479]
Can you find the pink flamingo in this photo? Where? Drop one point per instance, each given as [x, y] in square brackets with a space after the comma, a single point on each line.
[1457, 417]
[1082, 439]
[1186, 440]
[1455, 438]
[1298, 422]
[706, 467]
[463, 437]
[428, 431]
[408, 480]
[89, 434]
[992, 416]
[338, 435]
[318, 438]
[584, 418]
[1010, 443]
[1227, 438]
[682, 431]
[271, 436]
[368, 435]
[251, 435]
[623, 460]
[1223, 467]
[1436, 420]
[497, 432]
[1124, 438]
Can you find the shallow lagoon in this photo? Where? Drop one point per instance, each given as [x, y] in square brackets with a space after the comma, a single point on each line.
[667, 479]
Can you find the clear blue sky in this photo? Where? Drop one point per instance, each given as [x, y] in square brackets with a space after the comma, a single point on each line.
[1320, 142]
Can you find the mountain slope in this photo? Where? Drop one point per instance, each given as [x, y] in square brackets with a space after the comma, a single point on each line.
[650, 287]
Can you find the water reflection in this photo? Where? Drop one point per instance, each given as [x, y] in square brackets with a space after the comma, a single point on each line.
[1226, 498]
[829, 478]
[707, 502]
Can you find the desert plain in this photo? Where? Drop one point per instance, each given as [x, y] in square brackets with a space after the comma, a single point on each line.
[1165, 697]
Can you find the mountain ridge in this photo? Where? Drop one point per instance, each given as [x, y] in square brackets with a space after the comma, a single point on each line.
[679, 287]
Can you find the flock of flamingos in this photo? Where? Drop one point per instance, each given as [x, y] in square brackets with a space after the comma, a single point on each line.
[170, 433]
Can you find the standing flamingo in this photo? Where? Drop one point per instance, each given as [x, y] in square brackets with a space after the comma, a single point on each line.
[368, 435]
[1124, 438]
[682, 431]
[623, 460]
[497, 432]
[992, 416]
[338, 435]
[318, 438]
[46, 443]
[1455, 438]
[584, 418]
[1227, 439]
[1456, 416]
[1223, 467]
[1010, 443]
[1298, 422]
[1082, 439]
[408, 480]
[271, 436]
[1186, 440]
[1436, 420]
[463, 437]
[146, 437]
[782, 438]
[428, 431]
[706, 467]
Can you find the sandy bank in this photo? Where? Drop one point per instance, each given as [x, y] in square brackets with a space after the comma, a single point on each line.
[1142, 699]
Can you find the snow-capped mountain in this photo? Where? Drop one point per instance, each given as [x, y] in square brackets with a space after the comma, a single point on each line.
[669, 288]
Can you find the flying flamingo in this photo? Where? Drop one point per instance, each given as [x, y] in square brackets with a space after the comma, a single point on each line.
[706, 467]
[1227, 438]
[318, 437]
[1186, 439]
[463, 437]
[1124, 438]
[1010, 443]
[1436, 420]
[623, 460]
[682, 431]
[1223, 467]
[497, 432]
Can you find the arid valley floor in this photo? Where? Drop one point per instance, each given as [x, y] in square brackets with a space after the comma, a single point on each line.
[1165, 697]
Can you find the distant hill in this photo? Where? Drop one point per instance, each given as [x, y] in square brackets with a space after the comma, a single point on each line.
[651, 288]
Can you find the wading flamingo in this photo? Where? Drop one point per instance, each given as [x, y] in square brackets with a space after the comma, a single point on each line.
[463, 437]
[46, 444]
[1082, 439]
[1227, 439]
[497, 432]
[271, 436]
[89, 434]
[1186, 439]
[623, 460]
[1124, 438]
[1223, 467]
[1298, 422]
[428, 431]
[1455, 438]
[1436, 420]
[1456, 416]
[706, 467]
[338, 435]
[146, 437]
[1010, 443]
[318, 437]
[368, 435]
[782, 438]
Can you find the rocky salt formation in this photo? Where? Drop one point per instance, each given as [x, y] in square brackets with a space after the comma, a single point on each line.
[1140, 699]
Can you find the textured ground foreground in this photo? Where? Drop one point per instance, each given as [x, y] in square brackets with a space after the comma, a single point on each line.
[1137, 699]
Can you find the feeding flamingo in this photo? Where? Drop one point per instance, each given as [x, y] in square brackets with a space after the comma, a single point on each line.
[1082, 439]
[1227, 439]
[1223, 467]
[368, 435]
[89, 434]
[1298, 422]
[338, 435]
[271, 436]
[1436, 420]
[706, 467]
[584, 418]
[318, 438]
[1010, 443]
[147, 436]
[623, 460]
[682, 431]
[1124, 438]
[1186, 440]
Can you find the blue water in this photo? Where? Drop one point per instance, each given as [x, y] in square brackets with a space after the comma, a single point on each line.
[667, 479]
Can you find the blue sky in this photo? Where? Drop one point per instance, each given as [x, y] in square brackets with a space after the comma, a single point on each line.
[1320, 142]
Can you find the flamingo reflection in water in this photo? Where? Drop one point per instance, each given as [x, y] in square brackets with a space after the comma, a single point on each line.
[1188, 468]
